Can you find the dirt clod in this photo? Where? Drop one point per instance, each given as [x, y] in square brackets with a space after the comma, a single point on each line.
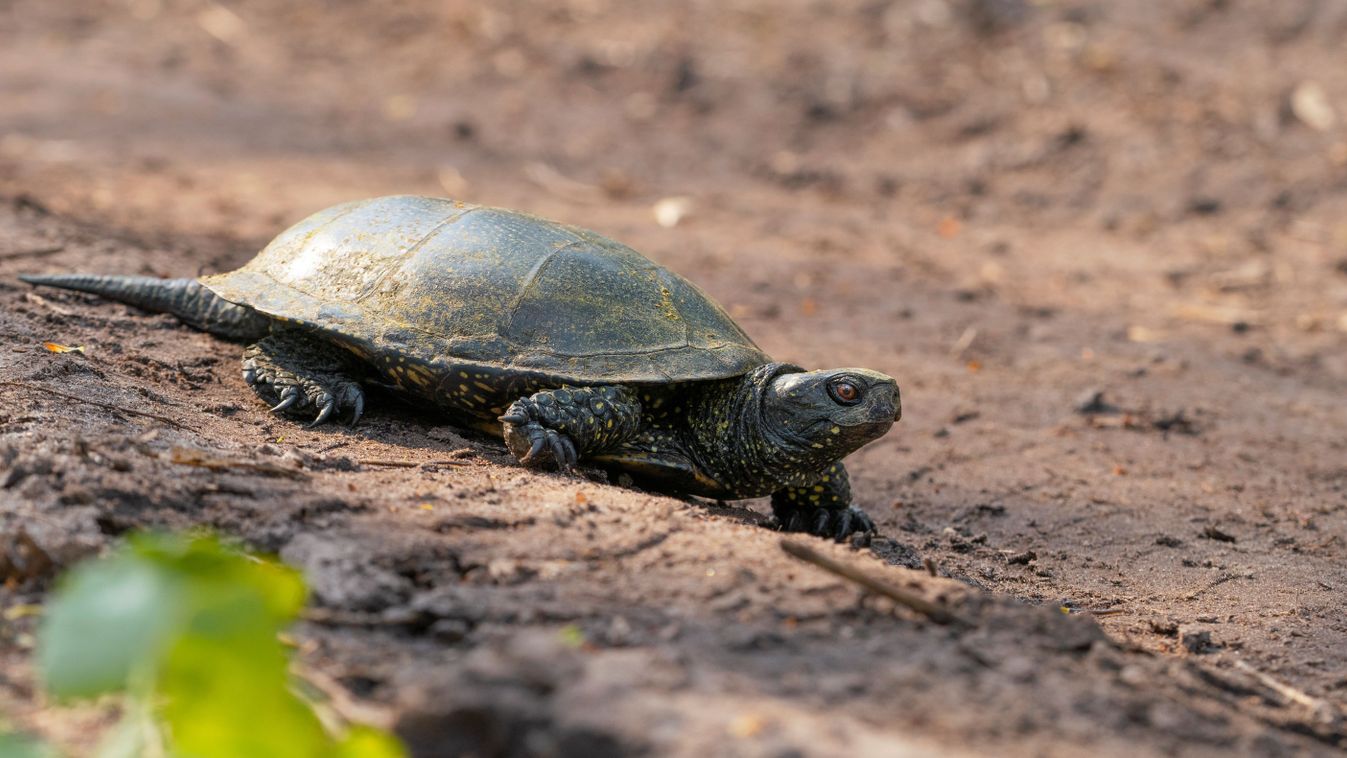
[1197, 642]
[1167, 627]
[1092, 402]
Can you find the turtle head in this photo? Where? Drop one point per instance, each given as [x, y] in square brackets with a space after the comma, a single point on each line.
[780, 425]
[829, 414]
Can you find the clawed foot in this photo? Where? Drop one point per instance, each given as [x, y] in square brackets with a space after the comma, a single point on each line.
[837, 523]
[319, 396]
[531, 442]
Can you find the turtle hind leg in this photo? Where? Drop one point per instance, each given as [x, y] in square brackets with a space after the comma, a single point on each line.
[302, 375]
[567, 423]
[823, 508]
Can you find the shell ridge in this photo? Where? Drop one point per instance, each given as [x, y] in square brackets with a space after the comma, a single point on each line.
[530, 279]
[410, 251]
[663, 275]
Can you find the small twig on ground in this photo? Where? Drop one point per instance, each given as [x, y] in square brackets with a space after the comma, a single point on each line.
[930, 567]
[36, 252]
[106, 406]
[964, 342]
[37, 299]
[1218, 581]
[1099, 612]
[408, 464]
[186, 456]
[1285, 690]
[934, 611]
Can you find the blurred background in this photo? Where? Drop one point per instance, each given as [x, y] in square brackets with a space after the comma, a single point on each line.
[1102, 245]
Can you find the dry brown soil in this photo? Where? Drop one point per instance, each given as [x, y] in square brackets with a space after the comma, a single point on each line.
[1101, 245]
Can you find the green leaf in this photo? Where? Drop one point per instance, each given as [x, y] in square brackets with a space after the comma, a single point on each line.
[229, 696]
[21, 746]
[214, 568]
[109, 618]
[368, 742]
[115, 616]
[190, 629]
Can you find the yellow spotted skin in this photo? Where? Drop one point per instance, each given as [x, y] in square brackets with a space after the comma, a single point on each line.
[832, 490]
[822, 508]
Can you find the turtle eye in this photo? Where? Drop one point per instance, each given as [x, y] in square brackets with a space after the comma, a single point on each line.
[844, 391]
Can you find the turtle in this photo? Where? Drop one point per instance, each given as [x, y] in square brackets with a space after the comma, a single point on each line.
[567, 344]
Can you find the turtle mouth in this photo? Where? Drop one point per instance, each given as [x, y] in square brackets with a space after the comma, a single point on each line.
[874, 429]
[858, 432]
[870, 430]
[885, 411]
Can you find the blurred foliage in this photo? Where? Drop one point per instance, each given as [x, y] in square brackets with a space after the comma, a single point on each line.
[187, 630]
[19, 746]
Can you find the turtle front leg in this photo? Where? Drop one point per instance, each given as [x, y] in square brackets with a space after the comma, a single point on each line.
[823, 508]
[303, 375]
[568, 423]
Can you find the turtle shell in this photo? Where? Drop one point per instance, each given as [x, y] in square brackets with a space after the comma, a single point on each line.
[452, 284]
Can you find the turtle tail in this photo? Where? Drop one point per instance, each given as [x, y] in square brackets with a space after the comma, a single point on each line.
[187, 299]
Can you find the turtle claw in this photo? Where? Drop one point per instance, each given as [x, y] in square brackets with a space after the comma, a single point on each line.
[563, 451]
[843, 527]
[357, 408]
[288, 398]
[324, 413]
[303, 391]
[821, 522]
[862, 521]
[829, 523]
[540, 439]
[531, 442]
[538, 442]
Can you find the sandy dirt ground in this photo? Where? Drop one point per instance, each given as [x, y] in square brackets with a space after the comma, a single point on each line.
[1101, 245]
